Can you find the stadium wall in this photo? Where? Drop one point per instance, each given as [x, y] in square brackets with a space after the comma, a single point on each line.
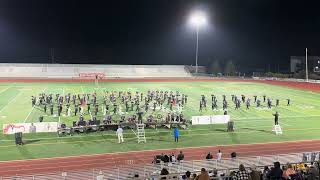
[11, 70]
[52, 73]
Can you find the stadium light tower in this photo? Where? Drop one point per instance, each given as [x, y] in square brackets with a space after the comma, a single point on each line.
[198, 19]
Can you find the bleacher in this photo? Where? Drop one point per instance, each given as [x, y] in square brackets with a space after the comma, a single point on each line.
[152, 171]
[73, 70]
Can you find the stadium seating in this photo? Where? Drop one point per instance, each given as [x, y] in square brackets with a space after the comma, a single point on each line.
[73, 70]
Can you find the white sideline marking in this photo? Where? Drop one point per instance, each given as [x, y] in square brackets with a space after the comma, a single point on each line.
[157, 131]
[284, 124]
[32, 108]
[272, 118]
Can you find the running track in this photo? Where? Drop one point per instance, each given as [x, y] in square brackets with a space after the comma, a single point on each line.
[112, 160]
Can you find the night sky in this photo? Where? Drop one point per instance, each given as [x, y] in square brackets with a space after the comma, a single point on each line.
[253, 33]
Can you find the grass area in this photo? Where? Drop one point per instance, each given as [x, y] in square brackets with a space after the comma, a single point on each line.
[299, 121]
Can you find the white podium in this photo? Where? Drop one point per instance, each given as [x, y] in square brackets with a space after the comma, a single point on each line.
[277, 129]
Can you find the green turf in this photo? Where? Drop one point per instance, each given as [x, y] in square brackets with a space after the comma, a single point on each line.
[299, 121]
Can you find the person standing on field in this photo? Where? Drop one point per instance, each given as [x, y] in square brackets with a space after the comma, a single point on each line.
[176, 134]
[120, 135]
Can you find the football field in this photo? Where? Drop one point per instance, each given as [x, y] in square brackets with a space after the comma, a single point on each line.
[299, 121]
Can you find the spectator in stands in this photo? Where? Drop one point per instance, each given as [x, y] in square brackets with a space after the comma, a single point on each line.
[194, 175]
[219, 155]
[161, 157]
[209, 156]
[213, 173]
[265, 172]
[188, 175]
[100, 176]
[255, 174]
[136, 176]
[313, 172]
[180, 157]
[233, 155]
[231, 175]
[289, 171]
[155, 160]
[164, 171]
[275, 172]
[173, 158]
[242, 174]
[166, 159]
[203, 175]
[301, 166]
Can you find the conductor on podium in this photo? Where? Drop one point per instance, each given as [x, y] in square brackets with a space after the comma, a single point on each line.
[276, 118]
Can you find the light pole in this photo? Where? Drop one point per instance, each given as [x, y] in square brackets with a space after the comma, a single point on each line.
[307, 78]
[197, 20]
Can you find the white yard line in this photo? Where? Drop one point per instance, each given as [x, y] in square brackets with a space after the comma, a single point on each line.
[3, 90]
[13, 99]
[134, 132]
[63, 91]
[82, 90]
[25, 120]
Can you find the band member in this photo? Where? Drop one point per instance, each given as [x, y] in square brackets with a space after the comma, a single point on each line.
[258, 103]
[45, 108]
[51, 109]
[248, 103]
[276, 118]
[269, 103]
[88, 105]
[76, 108]
[225, 105]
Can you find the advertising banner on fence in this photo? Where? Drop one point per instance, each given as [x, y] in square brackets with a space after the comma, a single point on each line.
[30, 127]
[217, 119]
[91, 75]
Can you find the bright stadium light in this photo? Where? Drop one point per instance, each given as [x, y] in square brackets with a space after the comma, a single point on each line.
[197, 19]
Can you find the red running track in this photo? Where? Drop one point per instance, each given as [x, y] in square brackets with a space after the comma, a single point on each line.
[112, 160]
